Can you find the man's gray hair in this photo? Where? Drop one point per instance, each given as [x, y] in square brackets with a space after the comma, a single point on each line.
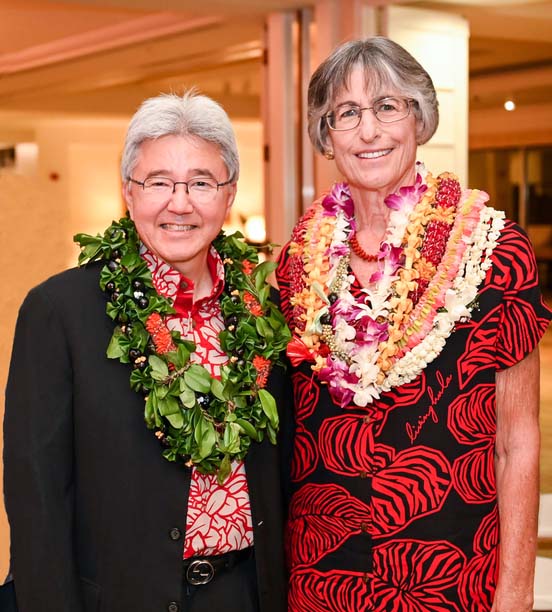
[386, 65]
[188, 115]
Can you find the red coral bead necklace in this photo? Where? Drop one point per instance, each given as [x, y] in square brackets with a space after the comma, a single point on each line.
[360, 252]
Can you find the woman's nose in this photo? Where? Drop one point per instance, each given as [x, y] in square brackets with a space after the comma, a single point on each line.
[180, 201]
[369, 127]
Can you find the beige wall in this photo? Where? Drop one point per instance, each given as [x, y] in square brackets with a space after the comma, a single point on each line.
[438, 41]
[32, 226]
[42, 208]
[74, 186]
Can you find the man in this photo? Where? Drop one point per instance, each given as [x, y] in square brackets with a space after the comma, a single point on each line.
[183, 512]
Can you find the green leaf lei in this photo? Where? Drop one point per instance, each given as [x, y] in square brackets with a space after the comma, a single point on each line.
[201, 420]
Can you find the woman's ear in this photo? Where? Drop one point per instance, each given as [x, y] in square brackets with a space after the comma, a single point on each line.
[420, 127]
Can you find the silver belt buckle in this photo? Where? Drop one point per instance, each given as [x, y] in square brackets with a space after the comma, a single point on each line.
[200, 571]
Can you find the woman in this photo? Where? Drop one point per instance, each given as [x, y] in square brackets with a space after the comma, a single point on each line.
[416, 314]
[182, 512]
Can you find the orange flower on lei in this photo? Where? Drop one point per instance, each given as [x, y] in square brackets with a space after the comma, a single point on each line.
[160, 334]
[262, 365]
[248, 266]
[252, 305]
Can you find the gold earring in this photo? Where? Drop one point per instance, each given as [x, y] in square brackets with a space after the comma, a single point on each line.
[329, 154]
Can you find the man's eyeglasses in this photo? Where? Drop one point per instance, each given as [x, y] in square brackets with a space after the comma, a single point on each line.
[160, 188]
[386, 110]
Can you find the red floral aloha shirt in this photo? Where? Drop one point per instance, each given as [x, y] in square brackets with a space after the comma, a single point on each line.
[219, 516]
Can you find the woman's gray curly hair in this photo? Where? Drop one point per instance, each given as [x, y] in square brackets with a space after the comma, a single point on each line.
[386, 65]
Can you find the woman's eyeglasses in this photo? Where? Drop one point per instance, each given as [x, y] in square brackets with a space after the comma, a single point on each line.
[386, 110]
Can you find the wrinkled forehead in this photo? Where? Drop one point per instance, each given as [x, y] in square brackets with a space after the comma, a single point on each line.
[376, 84]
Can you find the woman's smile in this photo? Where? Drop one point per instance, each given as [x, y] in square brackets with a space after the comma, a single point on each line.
[374, 154]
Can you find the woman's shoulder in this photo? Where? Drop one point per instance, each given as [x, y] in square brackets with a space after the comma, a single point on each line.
[298, 232]
[514, 266]
[514, 238]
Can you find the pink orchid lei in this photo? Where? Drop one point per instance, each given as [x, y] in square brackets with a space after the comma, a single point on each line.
[434, 255]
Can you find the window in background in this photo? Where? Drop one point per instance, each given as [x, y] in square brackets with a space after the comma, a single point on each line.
[539, 186]
[20, 158]
[519, 181]
[7, 157]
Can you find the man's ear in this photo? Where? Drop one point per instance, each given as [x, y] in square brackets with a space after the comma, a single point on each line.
[232, 191]
[127, 197]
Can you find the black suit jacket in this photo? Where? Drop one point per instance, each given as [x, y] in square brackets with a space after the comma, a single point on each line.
[90, 500]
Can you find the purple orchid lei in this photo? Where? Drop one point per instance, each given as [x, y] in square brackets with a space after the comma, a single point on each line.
[347, 338]
[359, 326]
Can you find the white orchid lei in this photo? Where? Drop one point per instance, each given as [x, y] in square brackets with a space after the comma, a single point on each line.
[434, 255]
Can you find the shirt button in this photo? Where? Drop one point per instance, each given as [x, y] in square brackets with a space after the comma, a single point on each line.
[363, 474]
[366, 420]
[173, 607]
[175, 534]
[364, 527]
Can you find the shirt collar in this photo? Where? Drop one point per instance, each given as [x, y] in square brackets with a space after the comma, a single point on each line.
[173, 285]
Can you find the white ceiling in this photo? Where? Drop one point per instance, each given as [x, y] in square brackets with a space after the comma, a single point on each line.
[105, 56]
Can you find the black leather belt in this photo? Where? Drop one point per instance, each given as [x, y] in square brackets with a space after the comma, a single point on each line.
[201, 570]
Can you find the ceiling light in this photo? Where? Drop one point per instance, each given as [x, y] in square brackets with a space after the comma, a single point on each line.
[510, 105]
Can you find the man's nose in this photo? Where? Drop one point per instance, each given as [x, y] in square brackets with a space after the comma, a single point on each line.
[180, 201]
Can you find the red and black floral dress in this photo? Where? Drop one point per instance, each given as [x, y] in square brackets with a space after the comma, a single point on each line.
[394, 505]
